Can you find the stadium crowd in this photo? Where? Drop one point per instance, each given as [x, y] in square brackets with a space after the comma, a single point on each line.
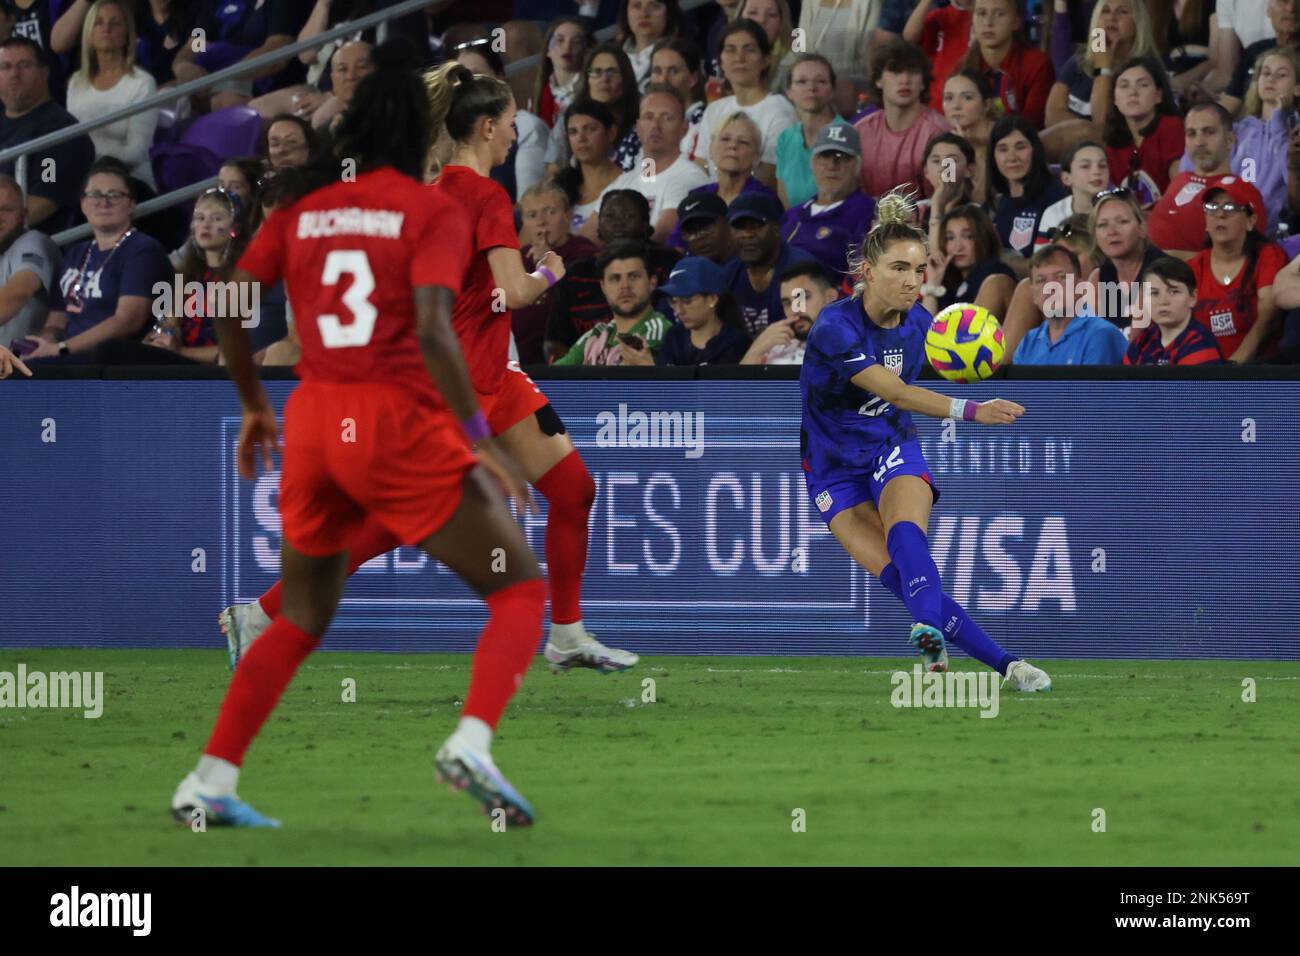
[703, 173]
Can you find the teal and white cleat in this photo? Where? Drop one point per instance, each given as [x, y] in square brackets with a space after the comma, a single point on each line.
[589, 653]
[224, 810]
[929, 641]
[1027, 677]
[463, 768]
[242, 624]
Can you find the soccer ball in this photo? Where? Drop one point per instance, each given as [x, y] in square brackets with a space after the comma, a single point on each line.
[964, 343]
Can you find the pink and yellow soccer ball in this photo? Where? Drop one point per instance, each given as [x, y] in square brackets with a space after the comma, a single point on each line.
[964, 343]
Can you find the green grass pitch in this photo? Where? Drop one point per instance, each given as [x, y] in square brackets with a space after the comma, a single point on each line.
[712, 772]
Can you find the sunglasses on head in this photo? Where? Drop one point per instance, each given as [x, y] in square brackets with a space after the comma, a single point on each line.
[1067, 231]
[1115, 192]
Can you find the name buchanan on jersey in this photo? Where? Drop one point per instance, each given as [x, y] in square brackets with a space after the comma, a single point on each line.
[350, 222]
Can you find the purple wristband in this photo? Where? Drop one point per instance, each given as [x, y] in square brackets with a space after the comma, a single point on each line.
[548, 275]
[476, 428]
[968, 413]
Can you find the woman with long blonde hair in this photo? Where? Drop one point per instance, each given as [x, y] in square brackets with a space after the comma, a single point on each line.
[864, 467]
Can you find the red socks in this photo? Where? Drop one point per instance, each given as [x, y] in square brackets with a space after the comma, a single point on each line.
[505, 649]
[569, 493]
[259, 681]
[372, 540]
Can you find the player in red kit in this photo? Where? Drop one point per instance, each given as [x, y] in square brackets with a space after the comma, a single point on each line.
[478, 114]
[379, 432]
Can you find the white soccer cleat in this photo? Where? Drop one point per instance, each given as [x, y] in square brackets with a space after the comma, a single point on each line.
[589, 653]
[462, 767]
[242, 624]
[1027, 677]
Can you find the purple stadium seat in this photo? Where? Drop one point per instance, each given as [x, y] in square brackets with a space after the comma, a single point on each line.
[178, 164]
[236, 131]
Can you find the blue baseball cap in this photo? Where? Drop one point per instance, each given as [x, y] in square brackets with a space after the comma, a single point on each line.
[692, 276]
[756, 205]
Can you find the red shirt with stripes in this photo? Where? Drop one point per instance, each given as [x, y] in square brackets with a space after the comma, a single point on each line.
[1194, 345]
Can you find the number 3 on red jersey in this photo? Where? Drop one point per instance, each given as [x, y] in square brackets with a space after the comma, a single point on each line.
[334, 334]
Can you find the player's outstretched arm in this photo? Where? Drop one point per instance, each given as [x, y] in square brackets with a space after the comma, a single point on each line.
[446, 364]
[912, 398]
[523, 288]
[258, 427]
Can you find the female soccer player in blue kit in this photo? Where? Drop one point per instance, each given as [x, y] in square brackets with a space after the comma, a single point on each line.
[863, 463]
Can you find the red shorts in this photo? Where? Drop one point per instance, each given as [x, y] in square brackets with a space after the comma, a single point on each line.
[367, 449]
[516, 399]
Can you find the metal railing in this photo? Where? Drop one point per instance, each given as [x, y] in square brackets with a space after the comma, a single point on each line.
[18, 154]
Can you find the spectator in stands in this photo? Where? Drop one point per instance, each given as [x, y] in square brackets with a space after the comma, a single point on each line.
[635, 334]
[1285, 17]
[894, 138]
[34, 19]
[703, 228]
[746, 56]
[840, 214]
[728, 11]
[810, 86]
[328, 14]
[347, 66]
[235, 34]
[678, 63]
[1021, 182]
[966, 266]
[546, 218]
[526, 162]
[1235, 272]
[565, 50]
[1239, 24]
[1262, 132]
[806, 289]
[108, 81]
[1084, 89]
[592, 132]
[642, 24]
[665, 176]
[162, 26]
[607, 79]
[29, 265]
[289, 141]
[971, 108]
[1185, 40]
[1071, 334]
[1024, 312]
[54, 174]
[239, 175]
[1085, 170]
[1178, 219]
[1144, 131]
[218, 235]
[1019, 73]
[1172, 336]
[774, 17]
[1118, 227]
[735, 154]
[577, 302]
[842, 31]
[107, 288]
[761, 256]
[949, 170]
[943, 33]
[708, 330]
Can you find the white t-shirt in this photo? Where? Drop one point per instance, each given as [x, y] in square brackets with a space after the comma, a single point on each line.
[773, 113]
[1246, 18]
[640, 63]
[129, 139]
[1055, 214]
[530, 158]
[668, 187]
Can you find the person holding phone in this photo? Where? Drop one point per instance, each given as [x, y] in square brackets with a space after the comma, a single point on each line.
[636, 332]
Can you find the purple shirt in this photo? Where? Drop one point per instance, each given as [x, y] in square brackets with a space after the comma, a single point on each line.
[828, 235]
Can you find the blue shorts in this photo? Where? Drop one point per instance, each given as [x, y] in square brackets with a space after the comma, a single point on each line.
[833, 493]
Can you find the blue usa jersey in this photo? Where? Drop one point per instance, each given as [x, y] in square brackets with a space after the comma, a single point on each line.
[845, 427]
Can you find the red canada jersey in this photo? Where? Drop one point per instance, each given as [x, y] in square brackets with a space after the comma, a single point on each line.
[481, 320]
[350, 256]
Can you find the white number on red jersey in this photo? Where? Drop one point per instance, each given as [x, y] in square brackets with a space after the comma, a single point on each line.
[333, 333]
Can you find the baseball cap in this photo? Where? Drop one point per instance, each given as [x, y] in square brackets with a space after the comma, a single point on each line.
[837, 138]
[1244, 193]
[761, 206]
[701, 206]
[692, 276]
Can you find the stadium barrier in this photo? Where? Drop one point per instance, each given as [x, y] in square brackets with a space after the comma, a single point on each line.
[1146, 517]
